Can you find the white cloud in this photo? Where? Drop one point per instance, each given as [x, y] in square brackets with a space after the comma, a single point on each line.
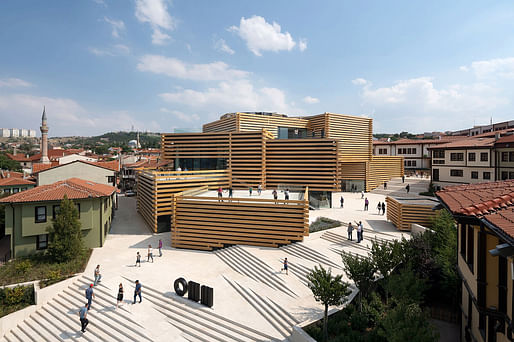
[234, 95]
[100, 2]
[117, 26]
[359, 81]
[310, 100]
[464, 68]
[260, 35]
[200, 72]
[302, 44]
[14, 83]
[222, 46]
[494, 68]
[115, 50]
[155, 13]
[188, 118]
[66, 117]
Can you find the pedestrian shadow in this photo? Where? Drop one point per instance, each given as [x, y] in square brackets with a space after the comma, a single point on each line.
[111, 308]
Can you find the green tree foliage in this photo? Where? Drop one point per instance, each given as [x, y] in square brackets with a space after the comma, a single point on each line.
[407, 322]
[8, 164]
[65, 234]
[327, 289]
[361, 270]
[386, 257]
[406, 286]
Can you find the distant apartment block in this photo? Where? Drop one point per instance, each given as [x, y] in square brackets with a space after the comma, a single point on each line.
[475, 130]
[16, 132]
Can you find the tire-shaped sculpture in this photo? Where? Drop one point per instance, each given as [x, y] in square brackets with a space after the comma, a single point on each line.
[180, 291]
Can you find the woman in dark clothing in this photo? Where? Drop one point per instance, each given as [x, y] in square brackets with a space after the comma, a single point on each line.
[120, 295]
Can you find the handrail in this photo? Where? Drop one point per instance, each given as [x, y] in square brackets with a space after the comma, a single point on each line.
[240, 199]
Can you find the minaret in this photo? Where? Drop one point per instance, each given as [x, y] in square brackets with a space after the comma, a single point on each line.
[44, 139]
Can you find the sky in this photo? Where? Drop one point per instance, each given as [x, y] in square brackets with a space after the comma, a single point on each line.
[161, 65]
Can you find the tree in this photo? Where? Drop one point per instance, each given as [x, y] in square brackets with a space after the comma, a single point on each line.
[386, 256]
[405, 286]
[406, 321]
[327, 289]
[65, 234]
[361, 270]
[8, 164]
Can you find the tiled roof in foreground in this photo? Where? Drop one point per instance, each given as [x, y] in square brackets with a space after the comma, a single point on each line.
[492, 201]
[73, 188]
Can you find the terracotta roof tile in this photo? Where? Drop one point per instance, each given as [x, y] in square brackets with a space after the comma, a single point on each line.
[469, 142]
[15, 181]
[73, 188]
[111, 165]
[8, 174]
[38, 167]
[504, 220]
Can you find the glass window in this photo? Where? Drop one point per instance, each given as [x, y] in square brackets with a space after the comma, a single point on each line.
[413, 151]
[15, 190]
[40, 214]
[42, 241]
[505, 157]
[474, 174]
[511, 175]
[456, 173]
[505, 175]
[110, 179]
[435, 174]
[484, 156]
[456, 156]
[7, 191]
[472, 156]
[55, 211]
[78, 208]
[438, 154]
[486, 175]
[463, 240]
[511, 156]
[470, 248]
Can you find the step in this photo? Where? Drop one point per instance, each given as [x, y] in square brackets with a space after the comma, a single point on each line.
[52, 330]
[113, 326]
[91, 329]
[31, 333]
[43, 333]
[20, 335]
[9, 337]
[94, 320]
[261, 308]
[308, 253]
[184, 308]
[72, 322]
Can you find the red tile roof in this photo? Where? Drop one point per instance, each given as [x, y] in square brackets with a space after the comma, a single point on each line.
[468, 143]
[73, 188]
[20, 157]
[504, 220]
[8, 174]
[505, 139]
[15, 181]
[38, 167]
[111, 165]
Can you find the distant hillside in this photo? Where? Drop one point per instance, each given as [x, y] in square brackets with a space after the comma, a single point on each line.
[111, 139]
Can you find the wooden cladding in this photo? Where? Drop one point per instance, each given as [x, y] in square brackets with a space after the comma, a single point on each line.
[205, 223]
[404, 212]
[352, 171]
[302, 162]
[195, 145]
[156, 189]
[381, 169]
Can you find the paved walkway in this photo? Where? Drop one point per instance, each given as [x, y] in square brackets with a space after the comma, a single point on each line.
[253, 299]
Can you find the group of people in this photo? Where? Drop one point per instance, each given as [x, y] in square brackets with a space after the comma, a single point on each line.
[381, 207]
[90, 293]
[250, 191]
[360, 231]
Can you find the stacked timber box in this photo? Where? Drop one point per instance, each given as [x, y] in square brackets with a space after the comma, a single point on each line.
[206, 223]
[403, 212]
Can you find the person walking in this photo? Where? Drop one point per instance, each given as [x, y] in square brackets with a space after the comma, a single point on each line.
[160, 248]
[285, 265]
[250, 190]
[137, 292]
[342, 202]
[275, 195]
[407, 188]
[362, 194]
[220, 194]
[403, 179]
[362, 231]
[150, 254]
[383, 208]
[83, 318]
[230, 193]
[379, 207]
[259, 189]
[97, 274]
[366, 204]
[350, 231]
[89, 295]
[286, 194]
[138, 259]
[119, 299]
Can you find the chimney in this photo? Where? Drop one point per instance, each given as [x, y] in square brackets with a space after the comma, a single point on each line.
[496, 136]
[15, 151]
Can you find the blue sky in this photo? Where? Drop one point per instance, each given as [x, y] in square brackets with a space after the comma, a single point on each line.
[159, 65]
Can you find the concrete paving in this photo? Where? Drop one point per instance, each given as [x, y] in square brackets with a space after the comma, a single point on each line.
[253, 299]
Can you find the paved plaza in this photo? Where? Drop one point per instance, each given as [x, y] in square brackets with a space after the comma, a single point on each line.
[253, 299]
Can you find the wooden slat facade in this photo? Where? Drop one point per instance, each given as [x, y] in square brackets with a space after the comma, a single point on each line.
[381, 169]
[302, 162]
[205, 223]
[402, 213]
[156, 189]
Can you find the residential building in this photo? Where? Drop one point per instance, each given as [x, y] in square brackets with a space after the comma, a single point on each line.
[98, 172]
[24, 132]
[464, 161]
[484, 214]
[15, 132]
[5, 132]
[32, 133]
[504, 156]
[415, 152]
[28, 214]
[480, 129]
[13, 185]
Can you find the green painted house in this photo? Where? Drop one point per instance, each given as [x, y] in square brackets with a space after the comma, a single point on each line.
[12, 185]
[28, 214]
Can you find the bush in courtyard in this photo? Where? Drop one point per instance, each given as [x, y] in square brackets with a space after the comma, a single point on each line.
[23, 266]
[406, 286]
[16, 298]
[362, 271]
[322, 223]
[65, 234]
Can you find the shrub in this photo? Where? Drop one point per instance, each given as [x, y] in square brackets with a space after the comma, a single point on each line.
[322, 223]
[23, 266]
[16, 298]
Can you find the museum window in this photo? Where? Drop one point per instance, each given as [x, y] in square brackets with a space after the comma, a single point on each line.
[42, 241]
[472, 156]
[484, 156]
[40, 215]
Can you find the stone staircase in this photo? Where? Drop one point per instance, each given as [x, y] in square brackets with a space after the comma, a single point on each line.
[301, 251]
[244, 263]
[395, 187]
[199, 323]
[58, 320]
